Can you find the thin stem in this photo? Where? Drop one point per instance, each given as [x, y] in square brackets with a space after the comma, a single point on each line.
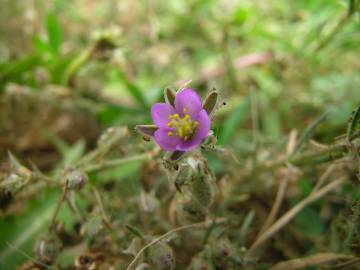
[292, 213]
[116, 162]
[329, 170]
[164, 236]
[313, 260]
[58, 206]
[276, 206]
[323, 155]
[105, 217]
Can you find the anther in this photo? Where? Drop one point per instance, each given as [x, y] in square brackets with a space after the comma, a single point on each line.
[170, 134]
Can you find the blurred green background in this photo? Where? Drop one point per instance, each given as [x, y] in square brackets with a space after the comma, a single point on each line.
[71, 68]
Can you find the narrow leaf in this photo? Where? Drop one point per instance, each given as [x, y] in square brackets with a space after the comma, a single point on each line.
[147, 130]
[210, 101]
[169, 95]
[135, 231]
[54, 32]
[354, 123]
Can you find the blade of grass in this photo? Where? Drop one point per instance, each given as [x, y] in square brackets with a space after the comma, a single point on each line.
[54, 33]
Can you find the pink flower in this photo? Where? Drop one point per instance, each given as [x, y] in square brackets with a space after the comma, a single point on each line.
[181, 127]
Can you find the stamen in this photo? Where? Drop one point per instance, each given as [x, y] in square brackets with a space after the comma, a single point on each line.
[184, 127]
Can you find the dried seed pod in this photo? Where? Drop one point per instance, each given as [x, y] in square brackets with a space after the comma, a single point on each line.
[76, 179]
[202, 190]
[191, 211]
[40, 264]
[93, 226]
[47, 247]
[161, 256]
[183, 176]
[220, 253]
[90, 261]
[149, 202]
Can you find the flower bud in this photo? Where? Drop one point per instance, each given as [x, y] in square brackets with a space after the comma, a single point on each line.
[92, 227]
[76, 179]
[220, 253]
[47, 247]
[149, 202]
[183, 176]
[161, 256]
[201, 188]
[191, 211]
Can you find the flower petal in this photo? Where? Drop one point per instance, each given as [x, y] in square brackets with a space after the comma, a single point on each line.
[160, 113]
[165, 141]
[201, 133]
[190, 145]
[190, 100]
[204, 124]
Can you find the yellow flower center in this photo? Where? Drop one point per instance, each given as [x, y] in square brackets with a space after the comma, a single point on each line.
[184, 127]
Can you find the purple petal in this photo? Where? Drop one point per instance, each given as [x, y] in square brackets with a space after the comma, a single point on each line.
[160, 113]
[188, 145]
[204, 124]
[201, 133]
[165, 141]
[190, 100]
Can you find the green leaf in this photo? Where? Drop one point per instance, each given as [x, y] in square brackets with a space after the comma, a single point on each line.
[14, 69]
[354, 123]
[69, 153]
[54, 33]
[231, 124]
[40, 45]
[19, 234]
[305, 186]
[309, 221]
[135, 231]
